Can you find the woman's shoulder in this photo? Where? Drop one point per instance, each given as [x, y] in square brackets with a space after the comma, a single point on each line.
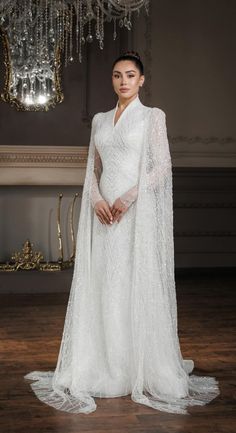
[155, 114]
[158, 111]
[154, 111]
[100, 115]
[96, 116]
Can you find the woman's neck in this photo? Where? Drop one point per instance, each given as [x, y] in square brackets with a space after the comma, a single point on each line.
[124, 102]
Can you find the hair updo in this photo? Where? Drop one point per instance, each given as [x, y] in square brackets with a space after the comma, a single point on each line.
[134, 57]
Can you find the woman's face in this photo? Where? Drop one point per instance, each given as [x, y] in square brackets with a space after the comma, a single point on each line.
[126, 79]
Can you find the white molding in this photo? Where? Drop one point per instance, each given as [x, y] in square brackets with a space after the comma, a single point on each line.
[59, 165]
[43, 165]
[203, 152]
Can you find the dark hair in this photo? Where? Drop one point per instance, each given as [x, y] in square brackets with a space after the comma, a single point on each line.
[134, 57]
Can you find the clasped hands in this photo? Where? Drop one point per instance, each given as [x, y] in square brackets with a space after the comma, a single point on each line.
[110, 214]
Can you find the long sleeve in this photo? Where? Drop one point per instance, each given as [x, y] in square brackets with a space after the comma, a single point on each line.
[159, 159]
[95, 192]
[129, 196]
[160, 156]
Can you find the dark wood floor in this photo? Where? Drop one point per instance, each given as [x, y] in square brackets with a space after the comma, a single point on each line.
[31, 327]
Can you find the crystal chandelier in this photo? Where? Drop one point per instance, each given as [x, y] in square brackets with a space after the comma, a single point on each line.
[37, 32]
[64, 22]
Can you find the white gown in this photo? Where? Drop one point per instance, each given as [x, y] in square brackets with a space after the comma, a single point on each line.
[119, 147]
[120, 333]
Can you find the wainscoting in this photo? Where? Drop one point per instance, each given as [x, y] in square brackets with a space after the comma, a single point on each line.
[204, 217]
[204, 223]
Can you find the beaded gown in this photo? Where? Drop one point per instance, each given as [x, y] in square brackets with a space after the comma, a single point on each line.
[120, 334]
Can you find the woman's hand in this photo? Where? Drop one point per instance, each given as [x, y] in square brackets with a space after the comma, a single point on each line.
[103, 212]
[118, 209]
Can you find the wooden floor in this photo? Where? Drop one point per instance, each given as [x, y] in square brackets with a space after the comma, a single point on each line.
[31, 327]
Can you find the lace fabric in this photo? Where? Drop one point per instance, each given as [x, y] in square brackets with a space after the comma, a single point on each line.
[126, 198]
[95, 192]
[121, 334]
[159, 130]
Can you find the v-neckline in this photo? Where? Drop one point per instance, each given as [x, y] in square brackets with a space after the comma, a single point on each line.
[123, 112]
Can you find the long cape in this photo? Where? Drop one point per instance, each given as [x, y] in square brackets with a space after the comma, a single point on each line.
[161, 378]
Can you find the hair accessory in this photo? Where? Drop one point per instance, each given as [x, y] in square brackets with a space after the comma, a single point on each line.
[133, 54]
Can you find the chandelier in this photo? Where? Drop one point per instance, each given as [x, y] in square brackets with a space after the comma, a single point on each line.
[37, 32]
[64, 21]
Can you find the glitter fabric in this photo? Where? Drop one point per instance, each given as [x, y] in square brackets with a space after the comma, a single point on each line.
[120, 335]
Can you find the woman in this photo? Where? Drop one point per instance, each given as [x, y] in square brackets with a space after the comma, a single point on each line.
[120, 334]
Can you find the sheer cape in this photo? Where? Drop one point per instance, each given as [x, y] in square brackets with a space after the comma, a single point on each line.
[161, 378]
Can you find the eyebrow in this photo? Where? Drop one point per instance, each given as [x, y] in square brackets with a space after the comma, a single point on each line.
[125, 71]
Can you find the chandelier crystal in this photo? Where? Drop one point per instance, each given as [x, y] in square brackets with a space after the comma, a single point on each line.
[37, 32]
[64, 22]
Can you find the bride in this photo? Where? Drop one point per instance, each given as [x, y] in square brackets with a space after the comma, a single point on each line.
[120, 334]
